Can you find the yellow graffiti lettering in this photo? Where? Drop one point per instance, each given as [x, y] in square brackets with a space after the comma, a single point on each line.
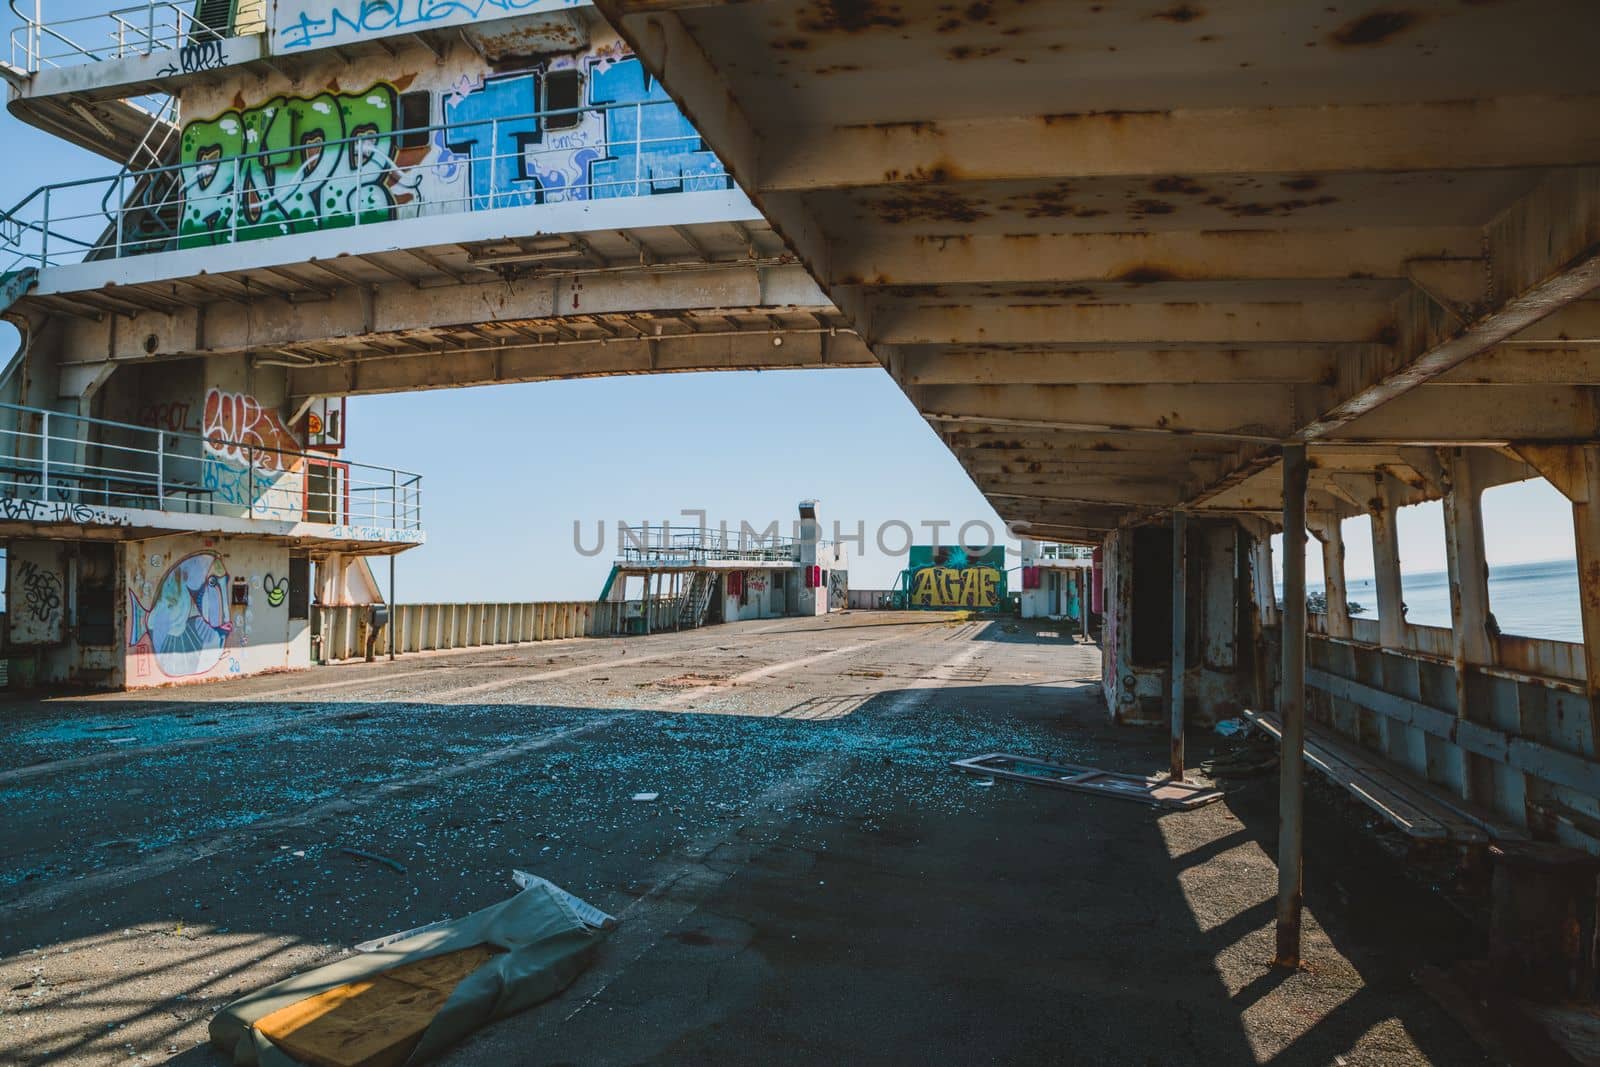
[950, 587]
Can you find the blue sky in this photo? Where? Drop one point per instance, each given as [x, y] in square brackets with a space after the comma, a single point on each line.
[508, 469]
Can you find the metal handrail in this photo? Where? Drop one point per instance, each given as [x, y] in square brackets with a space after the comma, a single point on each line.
[38, 236]
[79, 462]
[138, 29]
[694, 546]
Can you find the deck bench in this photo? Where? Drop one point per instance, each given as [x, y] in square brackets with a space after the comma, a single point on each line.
[1418, 809]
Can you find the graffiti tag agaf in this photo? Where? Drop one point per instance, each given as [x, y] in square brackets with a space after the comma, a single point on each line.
[950, 587]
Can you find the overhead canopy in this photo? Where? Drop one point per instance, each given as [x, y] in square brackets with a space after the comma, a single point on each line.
[1117, 254]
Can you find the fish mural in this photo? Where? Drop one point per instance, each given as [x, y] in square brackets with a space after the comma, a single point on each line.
[187, 625]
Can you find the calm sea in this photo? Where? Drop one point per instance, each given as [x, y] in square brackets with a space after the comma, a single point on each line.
[1528, 599]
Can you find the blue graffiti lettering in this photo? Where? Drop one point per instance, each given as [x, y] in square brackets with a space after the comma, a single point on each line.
[496, 147]
[370, 18]
[652, 148]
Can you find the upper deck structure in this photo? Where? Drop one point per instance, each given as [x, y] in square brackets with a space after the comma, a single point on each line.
[466, 184]
[308, 202]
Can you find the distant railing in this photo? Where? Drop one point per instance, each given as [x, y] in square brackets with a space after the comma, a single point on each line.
[1065, 552]
[136, 30]
[343, 630]
[380, 175]
[61, 467]
[668, 546]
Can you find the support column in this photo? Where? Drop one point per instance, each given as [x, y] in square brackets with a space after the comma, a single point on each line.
[1180, 618]
[1083, 605]
[1575, 471]
[394, 608]
[1586, 524]
[1469, 603]
[1386, 567]
[1331, 534]
[1402, 743]
[1292, 708]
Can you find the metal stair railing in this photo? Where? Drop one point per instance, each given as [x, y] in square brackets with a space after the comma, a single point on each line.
[692, 610]
[147, 193]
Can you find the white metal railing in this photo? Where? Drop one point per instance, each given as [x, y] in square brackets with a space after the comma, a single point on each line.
[251, 196]
[667, 545]
[54, 464]
[1065, 552]
[342, 630]
[135, 30]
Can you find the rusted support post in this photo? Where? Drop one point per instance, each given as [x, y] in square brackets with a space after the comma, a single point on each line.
[1586, 523]
[394, 609]
[1469, 601]
[1575, 471]
[1393, 737]
[1386, 566]
[1332, 538]
[1292, 707]
[1180, 616]
[1083, 605]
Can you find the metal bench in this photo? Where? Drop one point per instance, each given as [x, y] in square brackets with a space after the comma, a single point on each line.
[1418, 809]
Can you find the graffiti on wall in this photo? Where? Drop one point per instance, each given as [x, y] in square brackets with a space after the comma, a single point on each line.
[492, 126]
[250, 456]
[272, 170]
[60, 511]
[337, 159]
[651, 148]
[172, 416]
[301, 24]
[185, 628]
[951, 587]
[950, 577]
[41, 591]
[838, 589]
[276, 589]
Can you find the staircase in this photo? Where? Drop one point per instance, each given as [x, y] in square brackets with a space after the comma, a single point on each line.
[692, 607]
[148, 212]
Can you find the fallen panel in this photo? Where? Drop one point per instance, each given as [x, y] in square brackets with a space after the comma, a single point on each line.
[1161, 792]
[405, 1001]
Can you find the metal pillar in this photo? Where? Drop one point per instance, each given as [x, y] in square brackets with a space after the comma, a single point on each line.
[394, 609]
[1292, 707]
[1180, 640]
[1083, 605]
[1386, 567]
[1394, 738]
[1585, 495]
[1469, 602]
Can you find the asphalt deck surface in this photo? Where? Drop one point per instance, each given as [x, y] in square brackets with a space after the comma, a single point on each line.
[813, 883]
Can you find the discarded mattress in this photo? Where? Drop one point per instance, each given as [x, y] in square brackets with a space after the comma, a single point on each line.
[1161, 792]
[405, 1001]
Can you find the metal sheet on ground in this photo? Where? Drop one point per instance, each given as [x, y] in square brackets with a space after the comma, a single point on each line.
[1161, 792]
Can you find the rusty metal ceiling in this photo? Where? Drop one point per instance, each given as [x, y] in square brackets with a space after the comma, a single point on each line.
[1118, 253]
